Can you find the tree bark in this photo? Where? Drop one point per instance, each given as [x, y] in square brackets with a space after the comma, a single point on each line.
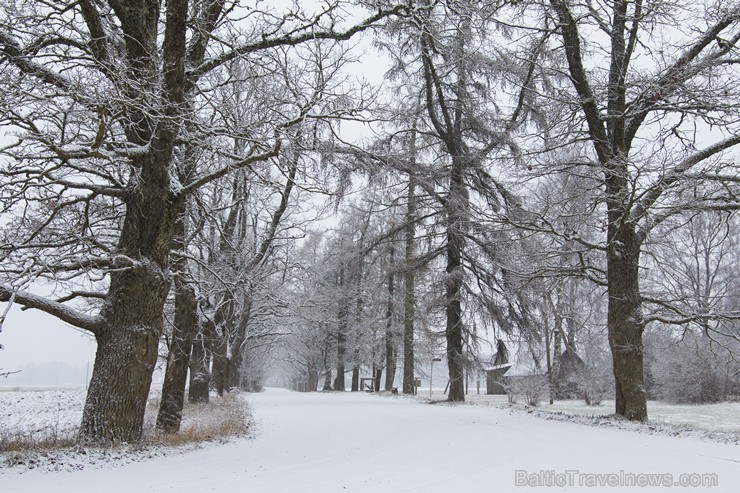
[390, 338]
[219, 363]
[169, 417]
[341, 333]
[327, 366]
[409, 276]
[378, 378]
[312, 378]
[236, 349]
[453, 281]
[184, 330]
[341, 350]
[355, 378]
[626, 325]
[127, 347]
[124, 362]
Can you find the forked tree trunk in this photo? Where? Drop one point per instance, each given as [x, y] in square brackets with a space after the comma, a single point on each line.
[128, 342]
[612, 138]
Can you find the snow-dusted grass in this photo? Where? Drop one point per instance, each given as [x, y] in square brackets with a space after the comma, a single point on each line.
[357, 442]
[222, 417]
[713, 418]
[39, 418]
[47, 420]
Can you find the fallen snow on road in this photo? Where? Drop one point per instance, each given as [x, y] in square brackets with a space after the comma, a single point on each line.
[356, 442]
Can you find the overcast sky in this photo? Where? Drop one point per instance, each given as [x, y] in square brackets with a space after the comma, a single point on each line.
[33, 337]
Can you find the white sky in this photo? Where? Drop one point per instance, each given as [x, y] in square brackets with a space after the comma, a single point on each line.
[32, 336]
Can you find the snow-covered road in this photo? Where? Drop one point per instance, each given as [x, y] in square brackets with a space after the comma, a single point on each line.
[355, 442]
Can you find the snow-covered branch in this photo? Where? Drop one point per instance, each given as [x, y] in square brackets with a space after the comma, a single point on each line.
[63, 312]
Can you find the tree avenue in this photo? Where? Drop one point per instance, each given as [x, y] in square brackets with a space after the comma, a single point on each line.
[98, 94]
[182, 177]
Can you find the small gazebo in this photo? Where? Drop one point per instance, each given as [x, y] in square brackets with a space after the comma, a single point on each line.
[495, 374]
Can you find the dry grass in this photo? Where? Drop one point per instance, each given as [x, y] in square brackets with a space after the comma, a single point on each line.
[222, 418]
[42, 439]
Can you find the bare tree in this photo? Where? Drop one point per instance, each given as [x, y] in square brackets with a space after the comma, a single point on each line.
[641, 124]
[99, 99]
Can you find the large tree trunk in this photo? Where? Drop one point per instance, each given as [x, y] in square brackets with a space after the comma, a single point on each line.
[355, 378]
[341, 351]
[626, 324]
[409, 297]
[124, 362]
[390, 339]
[183, 334]
[341, 334]
[128, 343]
[312, 378]
[453, 283]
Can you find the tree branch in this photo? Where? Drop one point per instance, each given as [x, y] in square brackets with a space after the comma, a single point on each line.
[649, 198]
[572, 45]
[292, 39]
[675, 74]
[91, 323]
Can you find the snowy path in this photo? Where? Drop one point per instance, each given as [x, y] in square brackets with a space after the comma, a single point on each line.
[363, 443]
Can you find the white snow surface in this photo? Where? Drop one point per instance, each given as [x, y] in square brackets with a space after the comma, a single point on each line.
[357, 442]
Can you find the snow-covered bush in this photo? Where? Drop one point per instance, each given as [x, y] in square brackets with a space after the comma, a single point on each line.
[694, 369]
[532, 387]
[595, 383]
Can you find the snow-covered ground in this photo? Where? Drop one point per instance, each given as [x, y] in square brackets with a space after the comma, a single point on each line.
[723, 417]
[41, 411]
[356, 442]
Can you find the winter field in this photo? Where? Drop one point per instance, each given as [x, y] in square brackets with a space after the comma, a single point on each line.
[327, 442]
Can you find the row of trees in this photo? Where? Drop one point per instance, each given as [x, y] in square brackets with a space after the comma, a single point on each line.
[162, 160]
[554, 166]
